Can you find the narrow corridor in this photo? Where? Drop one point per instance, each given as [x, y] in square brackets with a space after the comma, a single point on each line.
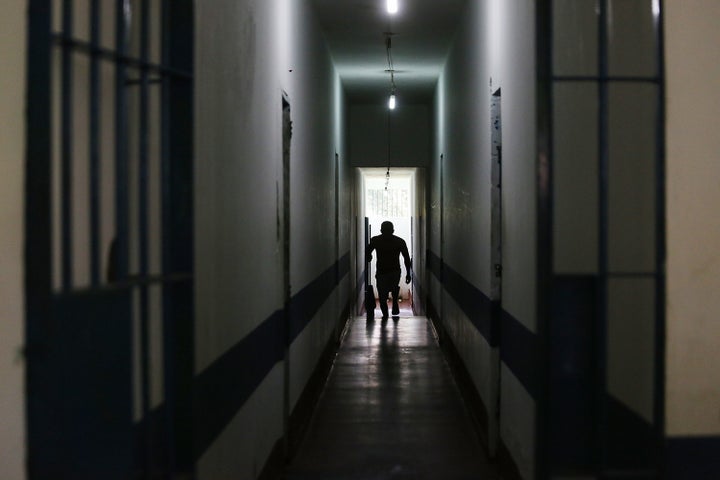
[391, 410]
[188, 190]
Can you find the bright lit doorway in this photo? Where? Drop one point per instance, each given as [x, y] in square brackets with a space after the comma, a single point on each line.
[393, 198]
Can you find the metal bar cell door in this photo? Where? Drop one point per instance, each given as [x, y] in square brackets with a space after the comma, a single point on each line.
[109, 238]
[602, 228]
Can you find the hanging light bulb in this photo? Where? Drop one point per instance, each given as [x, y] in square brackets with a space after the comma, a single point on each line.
[392, 6]
[391, 102]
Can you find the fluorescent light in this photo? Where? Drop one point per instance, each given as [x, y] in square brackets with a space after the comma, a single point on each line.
[391, 102]
[655, 8]
[392, 6]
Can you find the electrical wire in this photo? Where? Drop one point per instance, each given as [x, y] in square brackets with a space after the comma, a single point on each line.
[391, 70]
[391, 65]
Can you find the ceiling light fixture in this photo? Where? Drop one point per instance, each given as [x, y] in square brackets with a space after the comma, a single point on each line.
[392, 6]
[391, 70]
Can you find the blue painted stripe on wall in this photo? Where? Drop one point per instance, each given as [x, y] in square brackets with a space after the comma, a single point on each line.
[630, 438]
[520, 351]
[222, 389]
[476, 306]
[305, 304]
[473, 302]
[693, 458]
[434, 265]
[519, 347]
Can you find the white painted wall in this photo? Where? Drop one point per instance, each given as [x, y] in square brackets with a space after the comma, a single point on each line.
[248, 53]
[463, 132]
[420, 239]
[12, 199]
[495, 41]
[317, 101]
[512, 44]
[435, 194]
[238, 151]
[513, 68]
[693, 224]
[346, 173]
[466, 119]
[312, 91]
[359, 222]
[243, 446]
[238, 91]
[410, 135]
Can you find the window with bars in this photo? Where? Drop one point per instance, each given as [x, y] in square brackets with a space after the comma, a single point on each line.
[393, 202]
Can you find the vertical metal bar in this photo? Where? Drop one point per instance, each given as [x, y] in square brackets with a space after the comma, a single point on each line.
[178, 230]
[544, 225]
[38, 227]
[168, 324]
[67, 147]
[143, 136]
[122, 178]
[660, 246]
[121, 142]
[94, 130]
[603, 218]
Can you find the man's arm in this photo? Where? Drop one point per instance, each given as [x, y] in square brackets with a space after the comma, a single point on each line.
[408, 262]
[368, 251]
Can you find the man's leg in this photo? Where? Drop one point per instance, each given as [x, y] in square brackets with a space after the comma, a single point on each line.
[396, 298]
[384, 287]
[383, 294]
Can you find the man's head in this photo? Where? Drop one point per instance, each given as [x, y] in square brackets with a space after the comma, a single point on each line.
[386, 228]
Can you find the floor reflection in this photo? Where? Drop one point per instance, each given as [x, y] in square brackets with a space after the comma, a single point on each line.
[391, 409]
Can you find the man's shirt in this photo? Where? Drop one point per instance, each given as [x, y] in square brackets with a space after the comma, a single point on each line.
[389, 248]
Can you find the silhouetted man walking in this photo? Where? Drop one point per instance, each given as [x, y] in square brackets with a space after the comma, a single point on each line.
[387, 274]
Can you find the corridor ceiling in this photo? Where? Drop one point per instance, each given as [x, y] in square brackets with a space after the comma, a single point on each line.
[422, 32]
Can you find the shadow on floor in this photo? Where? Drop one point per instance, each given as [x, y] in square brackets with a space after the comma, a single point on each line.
[390, 410]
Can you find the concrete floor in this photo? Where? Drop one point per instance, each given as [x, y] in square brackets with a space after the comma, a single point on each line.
[390, 410]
